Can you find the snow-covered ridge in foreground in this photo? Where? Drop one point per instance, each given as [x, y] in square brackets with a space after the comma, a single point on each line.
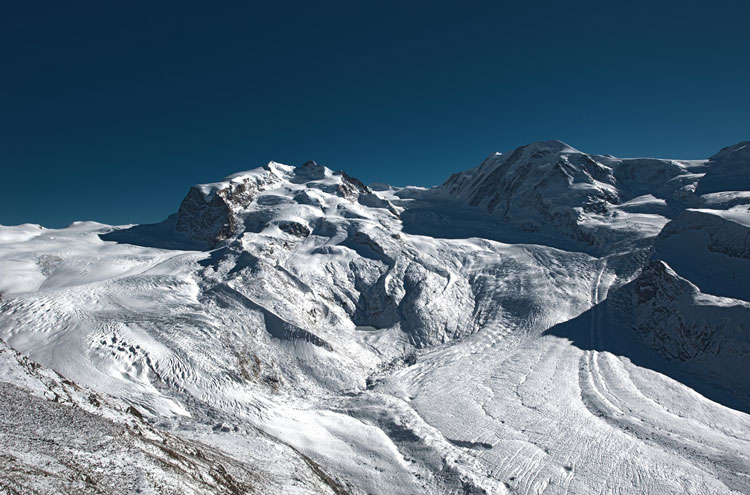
[550, 321]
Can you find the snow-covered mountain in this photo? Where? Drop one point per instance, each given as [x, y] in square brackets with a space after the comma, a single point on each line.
[549, 321]
[598, 200]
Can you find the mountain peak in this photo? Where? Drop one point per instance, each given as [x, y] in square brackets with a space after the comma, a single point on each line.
[738, 153]
[552, 145]
[311, 170]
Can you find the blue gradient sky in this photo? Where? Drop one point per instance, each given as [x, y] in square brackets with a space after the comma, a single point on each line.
[111, 113]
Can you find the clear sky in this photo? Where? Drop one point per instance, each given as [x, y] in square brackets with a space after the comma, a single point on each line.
[112, 110]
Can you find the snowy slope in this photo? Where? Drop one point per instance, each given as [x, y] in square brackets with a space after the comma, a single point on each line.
[550, 321]
[58, 437]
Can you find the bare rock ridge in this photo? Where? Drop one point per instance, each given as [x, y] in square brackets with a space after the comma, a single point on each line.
[210, 212]
[205, 220]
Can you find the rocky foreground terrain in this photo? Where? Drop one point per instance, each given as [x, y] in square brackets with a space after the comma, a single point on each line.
[549, 321]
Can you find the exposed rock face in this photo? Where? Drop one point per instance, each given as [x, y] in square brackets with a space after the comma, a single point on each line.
[211, 212]
[708, 335]
[205, 220]
[295, 228]
[661, 299]
[351, 187]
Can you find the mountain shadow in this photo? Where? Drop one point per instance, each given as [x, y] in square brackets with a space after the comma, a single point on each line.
[443, 220]
[603, 328]
[156, 235]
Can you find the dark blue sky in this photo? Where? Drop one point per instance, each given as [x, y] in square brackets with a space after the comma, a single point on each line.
[111, 113]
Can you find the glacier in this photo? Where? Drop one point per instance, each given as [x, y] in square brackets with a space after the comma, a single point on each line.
[550, 321]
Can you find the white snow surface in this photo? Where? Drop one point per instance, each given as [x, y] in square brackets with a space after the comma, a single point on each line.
[546, 322]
